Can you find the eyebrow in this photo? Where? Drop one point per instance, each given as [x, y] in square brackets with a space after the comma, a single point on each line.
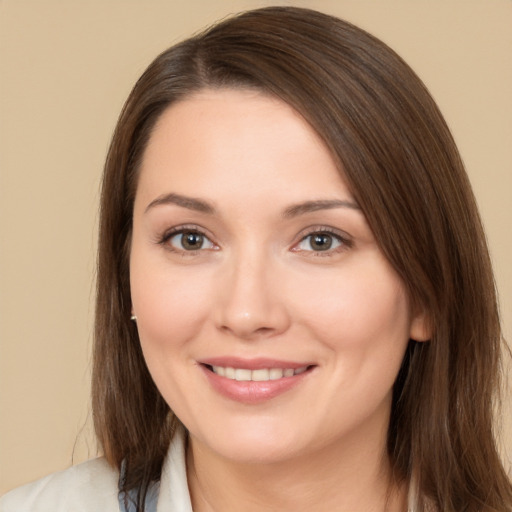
[199, 205]
[322, 204]
[191, 203]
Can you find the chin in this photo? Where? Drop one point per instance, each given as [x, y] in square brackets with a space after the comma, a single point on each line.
[259, 444]
[259, 452]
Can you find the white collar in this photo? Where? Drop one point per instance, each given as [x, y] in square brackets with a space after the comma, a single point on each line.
[174, 495]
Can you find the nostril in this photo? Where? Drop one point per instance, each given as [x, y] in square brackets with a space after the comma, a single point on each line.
[245, 319]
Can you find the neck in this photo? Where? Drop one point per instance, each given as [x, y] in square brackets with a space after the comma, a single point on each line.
[345, 477]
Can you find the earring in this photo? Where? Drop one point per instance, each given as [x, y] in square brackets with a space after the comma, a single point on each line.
[134, 318]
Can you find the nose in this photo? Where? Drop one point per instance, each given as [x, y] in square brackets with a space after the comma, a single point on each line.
[251, 303]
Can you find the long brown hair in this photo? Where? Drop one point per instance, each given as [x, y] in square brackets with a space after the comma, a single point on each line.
[402, 165]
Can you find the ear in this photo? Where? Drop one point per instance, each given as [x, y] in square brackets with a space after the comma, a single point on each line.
[421, 325]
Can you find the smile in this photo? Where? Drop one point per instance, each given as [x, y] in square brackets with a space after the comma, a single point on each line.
[259, 375]
[254, 381]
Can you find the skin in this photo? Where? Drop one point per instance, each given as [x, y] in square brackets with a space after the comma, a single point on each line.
[256, 288]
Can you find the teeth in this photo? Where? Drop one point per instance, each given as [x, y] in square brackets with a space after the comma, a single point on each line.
[260, 375]
[276, 373]
[242, 374]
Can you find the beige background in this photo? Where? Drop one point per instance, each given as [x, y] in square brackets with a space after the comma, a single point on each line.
[65, 69]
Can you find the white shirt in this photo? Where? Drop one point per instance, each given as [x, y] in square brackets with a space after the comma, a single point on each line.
[93, 487]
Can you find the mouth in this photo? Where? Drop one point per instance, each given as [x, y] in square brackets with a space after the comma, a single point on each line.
[256, 381]
[258, 375]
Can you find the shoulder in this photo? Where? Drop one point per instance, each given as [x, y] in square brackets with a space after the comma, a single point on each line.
[90, 486]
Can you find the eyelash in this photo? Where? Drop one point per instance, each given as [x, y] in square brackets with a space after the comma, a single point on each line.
[344, 241]
[181, 230]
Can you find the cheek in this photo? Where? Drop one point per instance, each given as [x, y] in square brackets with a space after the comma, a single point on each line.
[170, 305]
[356, 308]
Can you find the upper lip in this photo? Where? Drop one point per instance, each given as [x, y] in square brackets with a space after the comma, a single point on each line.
[252, 364]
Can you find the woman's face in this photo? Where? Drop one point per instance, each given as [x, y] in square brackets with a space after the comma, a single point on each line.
[269, 319]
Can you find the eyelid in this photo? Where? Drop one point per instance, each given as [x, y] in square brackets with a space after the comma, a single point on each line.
[184, 228]
[344, 238]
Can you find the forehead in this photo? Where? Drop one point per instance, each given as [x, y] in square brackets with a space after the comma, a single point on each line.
[230, 143]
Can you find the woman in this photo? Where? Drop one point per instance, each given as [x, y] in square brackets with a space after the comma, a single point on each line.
[293, 288]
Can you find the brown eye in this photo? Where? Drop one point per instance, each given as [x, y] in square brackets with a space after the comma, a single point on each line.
[190, 241]
[319, 242]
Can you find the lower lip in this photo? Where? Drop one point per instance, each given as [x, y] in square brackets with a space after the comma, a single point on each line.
[252, 392]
